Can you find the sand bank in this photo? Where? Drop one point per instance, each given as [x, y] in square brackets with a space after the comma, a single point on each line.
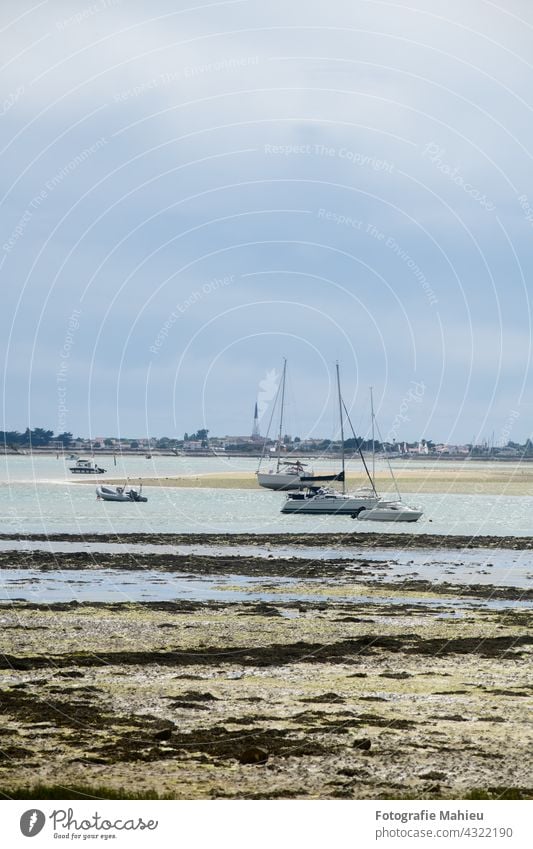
[513, 479]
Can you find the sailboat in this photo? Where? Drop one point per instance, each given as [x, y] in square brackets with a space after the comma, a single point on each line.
[289, 474]
[385, 510]
[325, 500]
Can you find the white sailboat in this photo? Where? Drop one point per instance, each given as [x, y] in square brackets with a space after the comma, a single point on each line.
[289, 474]
[326, 500]
[386, 510]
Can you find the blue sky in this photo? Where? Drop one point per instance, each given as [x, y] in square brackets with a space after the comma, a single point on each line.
[191, 192]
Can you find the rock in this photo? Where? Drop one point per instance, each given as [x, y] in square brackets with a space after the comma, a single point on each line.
[253, 755]
[163, 733]
[323, 698]
[363, 743]
[400, 676]
[72, 673]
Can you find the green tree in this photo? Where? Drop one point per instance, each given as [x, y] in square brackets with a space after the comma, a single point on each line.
[39, 437]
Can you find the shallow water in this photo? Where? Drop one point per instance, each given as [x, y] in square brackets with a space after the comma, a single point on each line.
[481, 566]
[109, 586]
[38, 495]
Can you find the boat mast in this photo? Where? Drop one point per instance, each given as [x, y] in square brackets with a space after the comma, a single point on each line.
[342, 427]
[362, 456]
[373, 442]
[281, 412]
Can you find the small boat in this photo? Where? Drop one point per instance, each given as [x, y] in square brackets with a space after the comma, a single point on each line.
[120, 493]
[389, 511]
[86, 467]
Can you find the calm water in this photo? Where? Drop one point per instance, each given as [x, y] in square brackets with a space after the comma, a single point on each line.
[38, 495]
[108, 585]
[479, 566]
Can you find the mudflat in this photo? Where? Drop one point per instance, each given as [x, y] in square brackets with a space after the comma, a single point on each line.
[281, 699]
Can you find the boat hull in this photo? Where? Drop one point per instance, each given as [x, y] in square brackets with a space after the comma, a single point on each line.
[279, 481]
[390, 513]
[337, 505]
[293, 482]
[108, 494]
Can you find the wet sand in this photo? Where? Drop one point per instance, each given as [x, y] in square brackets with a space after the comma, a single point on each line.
[285, 699]
[508, 479]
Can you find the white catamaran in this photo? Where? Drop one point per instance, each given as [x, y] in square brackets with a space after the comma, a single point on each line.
[289, 474]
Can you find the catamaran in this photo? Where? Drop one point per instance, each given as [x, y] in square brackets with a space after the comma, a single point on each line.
[289, 474]
[325, 500]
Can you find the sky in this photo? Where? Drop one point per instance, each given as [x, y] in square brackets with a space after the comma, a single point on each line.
[192, 192]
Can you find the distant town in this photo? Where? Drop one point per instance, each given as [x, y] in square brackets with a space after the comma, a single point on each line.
[200, 443]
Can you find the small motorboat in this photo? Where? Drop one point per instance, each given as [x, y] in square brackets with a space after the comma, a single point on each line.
[86, 467]
[120, 493]
[388, 511]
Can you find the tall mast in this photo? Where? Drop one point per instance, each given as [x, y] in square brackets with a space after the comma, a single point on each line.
[281, 412]
[373, 442]
[342, 427]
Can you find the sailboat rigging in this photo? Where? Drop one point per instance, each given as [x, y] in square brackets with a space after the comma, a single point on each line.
[292, 474]
[385, 510]
[323, 500]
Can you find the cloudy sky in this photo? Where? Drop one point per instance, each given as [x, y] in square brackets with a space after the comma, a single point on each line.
[192, 191]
